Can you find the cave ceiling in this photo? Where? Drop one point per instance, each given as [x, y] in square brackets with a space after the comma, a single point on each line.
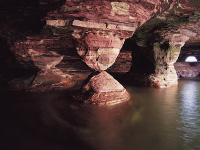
[20, 19]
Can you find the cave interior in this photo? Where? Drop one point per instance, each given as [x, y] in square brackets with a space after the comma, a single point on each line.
[82, 44]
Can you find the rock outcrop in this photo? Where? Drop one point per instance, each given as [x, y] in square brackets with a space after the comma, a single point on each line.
[160, 41]
[187, 70]
[66, 40]
[103, 89]
[95, 30]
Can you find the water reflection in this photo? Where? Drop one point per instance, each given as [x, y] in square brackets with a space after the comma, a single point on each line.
[151, 122]
[153, 119]
[190, 114]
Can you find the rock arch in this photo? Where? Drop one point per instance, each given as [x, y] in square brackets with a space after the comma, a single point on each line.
[95, 31]
[159, 42]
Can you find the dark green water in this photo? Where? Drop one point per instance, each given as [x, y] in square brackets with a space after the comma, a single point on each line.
[154, 119]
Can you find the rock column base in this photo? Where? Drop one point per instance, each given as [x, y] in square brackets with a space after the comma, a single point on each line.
[103, 89]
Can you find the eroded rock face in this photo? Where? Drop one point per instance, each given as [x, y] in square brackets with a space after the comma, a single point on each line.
[95, 30]
[33, 53]
[162, 38]
[100, 51]
[100, 27]
[165, 57]
[51, 79]
[103, 89]
[185, 69]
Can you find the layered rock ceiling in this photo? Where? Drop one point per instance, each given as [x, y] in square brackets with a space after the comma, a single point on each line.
[63, 41]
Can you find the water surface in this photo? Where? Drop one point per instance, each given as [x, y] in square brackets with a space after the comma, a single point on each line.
[154, 119]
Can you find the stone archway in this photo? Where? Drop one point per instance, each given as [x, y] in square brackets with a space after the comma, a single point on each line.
[157, 44]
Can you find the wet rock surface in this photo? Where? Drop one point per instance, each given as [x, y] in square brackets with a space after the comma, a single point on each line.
[64, 41]
[103, 89]
[68, 31]
[185, 69]
[157, 44]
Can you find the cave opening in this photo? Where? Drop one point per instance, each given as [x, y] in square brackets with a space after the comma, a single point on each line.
[191, 59]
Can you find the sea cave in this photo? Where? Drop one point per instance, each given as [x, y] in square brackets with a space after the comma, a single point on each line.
[100, 74]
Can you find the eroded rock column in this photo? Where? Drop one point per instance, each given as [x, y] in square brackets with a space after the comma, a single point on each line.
[99, 50]
[99, 42]
[96, 30]
[167, 51]
[165, 55]
[158, 45]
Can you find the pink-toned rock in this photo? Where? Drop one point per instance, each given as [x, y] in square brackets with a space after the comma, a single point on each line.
[99, 51]
[107, 35]
[45, 61]
[49, 76]
[95, 29]
[52, 79]
[103, 89]
[185, 69]
[165, 74]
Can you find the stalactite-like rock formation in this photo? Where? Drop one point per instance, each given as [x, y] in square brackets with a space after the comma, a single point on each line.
[96, 29]
[93, 31]
[165, 57]
[65, 40]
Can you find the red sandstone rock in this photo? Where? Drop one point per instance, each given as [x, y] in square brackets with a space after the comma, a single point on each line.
[103, 89]
[185, 69]
[101, 26]
[95, 26]
[52, 79]
[99, 51]
[96, 30]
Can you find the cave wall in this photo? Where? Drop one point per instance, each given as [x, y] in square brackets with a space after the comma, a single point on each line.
[56, 37]
[62, 40]
[160, 41]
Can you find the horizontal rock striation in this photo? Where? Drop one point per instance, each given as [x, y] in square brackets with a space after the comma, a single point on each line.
[187, 70]
[91, 30]
[103, 89]
[160, 41]
[54, 37]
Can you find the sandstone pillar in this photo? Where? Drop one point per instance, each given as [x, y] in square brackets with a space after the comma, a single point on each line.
[96, 30]
[159, 43]
[165, 55]
[99, 50]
